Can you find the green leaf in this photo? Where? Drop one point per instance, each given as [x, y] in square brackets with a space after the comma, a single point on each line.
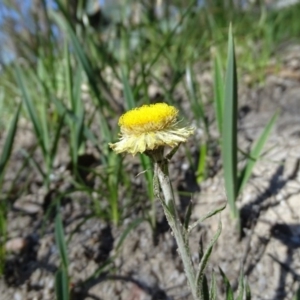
[194, 97]
[241, 287]
[218, 91]
[37, 125]
[60, 241]
[57, 136]
[213, 287]
[129, 99]
[229, 131]
[205, 258]
[201, 169]
[205, 290]
[228, 289]
[255, 153]
[8, 144]
[125, 233]
[248, 293]
[62, 284]
[92, 78]
[208, 215]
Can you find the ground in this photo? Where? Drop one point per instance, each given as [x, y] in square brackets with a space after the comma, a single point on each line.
[146, 266]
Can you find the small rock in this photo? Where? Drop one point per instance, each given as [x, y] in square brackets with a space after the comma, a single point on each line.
[27, 206]
[16, 244]
[17, 296]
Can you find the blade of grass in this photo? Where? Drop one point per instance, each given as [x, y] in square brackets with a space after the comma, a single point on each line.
[8, 144]
[60, 241]
[57, 136]
[255, 153]
[248, 292]
[205, 289]
[206, 216]
[197, 105]
[229, 132]
[228, 288]
[129, 99]
[218, 91]
[31, 110]
[201, 168]
[93, 79]
[125, 233]
[33, 162]
[213, 287]
[114, 165]
[87, 67]
[43, 113]
[241, 287]
[62, 284]
[205, 258]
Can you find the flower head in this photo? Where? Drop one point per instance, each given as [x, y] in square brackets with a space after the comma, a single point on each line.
[149, 127]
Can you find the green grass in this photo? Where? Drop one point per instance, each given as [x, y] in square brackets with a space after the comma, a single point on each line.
[77, 92]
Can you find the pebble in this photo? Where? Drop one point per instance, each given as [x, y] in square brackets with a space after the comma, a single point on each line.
[17, 296]
[27, 206]
[16, 244]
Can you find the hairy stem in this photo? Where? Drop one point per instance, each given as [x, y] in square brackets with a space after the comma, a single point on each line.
[180, 234]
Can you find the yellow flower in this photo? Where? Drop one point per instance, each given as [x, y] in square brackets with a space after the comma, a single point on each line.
[149, 127]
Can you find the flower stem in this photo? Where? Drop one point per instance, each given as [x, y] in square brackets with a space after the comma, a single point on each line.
[180, 234]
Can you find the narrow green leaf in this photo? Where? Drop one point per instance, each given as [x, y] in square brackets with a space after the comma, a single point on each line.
[208, 215]
[194, 97]
[129, 99]
[62, 284]
[57, 136]
[241, 287]
[43, 113]
[86, 64]
[205, 289]
[205, 257]
[60, 241]
[8, 144]
[69, 78]
[248, 293]
[218, 91]
[125, 233]
[77, 99]
[228, 289]
[79, 131]
[229, 131]
[38, 127]
[106, 267]
[62, 110]
[213, 287]
[87, 67]
[202, 163]
[255, 153]
[33, 162]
